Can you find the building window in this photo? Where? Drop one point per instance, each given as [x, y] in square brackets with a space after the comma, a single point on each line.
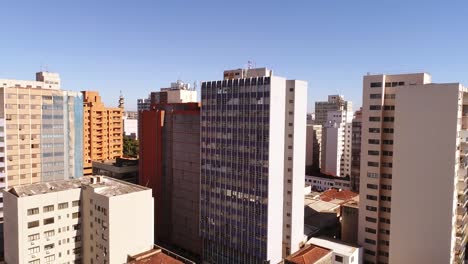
[49, 233]
[376, 84]
[50, 258]
[390, 96]
[49, 246]
[75, 215]
[370, 241]
[389, 107]
[384, 220]
[388, 130]
[386, 187]
[372, 164]
[33, 237]
[371, 219]
[374, 118]
[62, 206]
[369, 252]
[387, 153]
[48, 208]
[34, 250]
[375, 96]
[371, 230]
[371, 197]
[374, 130]
[33, 224]
[372, 186]
[33, 211]
[384, 231]
[375, 107]
[374, 141]
[387, 164]
[386, 175]
[373, 152]
[371, 208]
[387, 142]
[385, 209]
[76, 203]
[48, 221]
[389, 119]
[372, 175]
[338, 258]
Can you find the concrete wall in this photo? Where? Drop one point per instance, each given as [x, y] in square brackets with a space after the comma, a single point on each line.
[423, 186]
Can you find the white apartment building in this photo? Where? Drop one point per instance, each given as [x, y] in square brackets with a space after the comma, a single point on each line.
[336, 143]
[87, 220]
[253, 131]
[414, 136]
[130, 124]
[323, 183]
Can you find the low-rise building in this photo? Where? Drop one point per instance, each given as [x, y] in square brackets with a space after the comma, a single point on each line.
[349, 218]
[342, 253]
[310, 254]
[322, 182]
[158, 255]
[85, 220]
[125, 169]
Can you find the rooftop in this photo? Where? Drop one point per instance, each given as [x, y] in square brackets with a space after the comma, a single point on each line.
[337, 246]
[337, 196]
[103, 185]
[158, 255]
[309, 254]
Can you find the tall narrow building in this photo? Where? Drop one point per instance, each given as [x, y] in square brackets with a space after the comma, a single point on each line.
[170, 165]
[356, 150]
[252, 167]
[40, 132]
[103, 131]
[413, 157]
[336, 144]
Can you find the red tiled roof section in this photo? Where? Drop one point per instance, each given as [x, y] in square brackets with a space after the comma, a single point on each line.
[333, 194]
[308, 255]
[154, 256]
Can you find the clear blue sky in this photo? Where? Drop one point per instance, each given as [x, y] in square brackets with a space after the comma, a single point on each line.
[140, 46]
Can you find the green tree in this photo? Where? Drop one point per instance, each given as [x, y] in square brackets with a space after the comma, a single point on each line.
[130, 147]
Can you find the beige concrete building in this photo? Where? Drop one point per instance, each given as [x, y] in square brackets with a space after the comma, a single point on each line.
[40, 132]
[414, 157]
[86, 220]
[334, 103]
[103, 131]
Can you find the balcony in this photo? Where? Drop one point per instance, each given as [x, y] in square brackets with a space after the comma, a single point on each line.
[464, 121]
[462, 186]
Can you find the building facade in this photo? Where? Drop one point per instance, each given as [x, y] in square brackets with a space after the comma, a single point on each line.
[398, 160]
[83, 220]
[130, 124]
[252, 207]
[334, 103]
[356, 150]
[170, 165]
[336, 144]
[102, 130]
[40, 132]
[313, 147]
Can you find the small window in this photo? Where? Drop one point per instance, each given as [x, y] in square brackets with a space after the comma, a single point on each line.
[33, 224]
[376, 84]
[338, 258]
[49, 221]
[33, 211]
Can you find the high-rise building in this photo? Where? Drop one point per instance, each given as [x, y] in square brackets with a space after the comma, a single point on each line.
[336, 143]
[334, 103]
[413, 157]
[356, 150]
[40, 132]
[130, 124]
[170, 165]
[253, 131]
[103, 130]
[86, 220]
[313, 146]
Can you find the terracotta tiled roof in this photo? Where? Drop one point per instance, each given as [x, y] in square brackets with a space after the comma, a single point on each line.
[334, 194]
[309, 254]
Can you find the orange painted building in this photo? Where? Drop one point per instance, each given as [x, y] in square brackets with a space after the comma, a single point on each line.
[102, 130]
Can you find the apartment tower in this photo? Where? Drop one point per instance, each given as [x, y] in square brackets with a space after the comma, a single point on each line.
[356, 150]
[334, 103]
[85, 220]
[103, 131]
[336, 143]
[414, 157]
[40, 132]
[170, 165]
[252, 167]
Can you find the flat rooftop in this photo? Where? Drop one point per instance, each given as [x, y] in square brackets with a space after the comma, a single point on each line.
[103, 185]
[335, 245]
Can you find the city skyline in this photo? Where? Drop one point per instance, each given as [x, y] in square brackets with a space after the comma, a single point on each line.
[128, 47]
